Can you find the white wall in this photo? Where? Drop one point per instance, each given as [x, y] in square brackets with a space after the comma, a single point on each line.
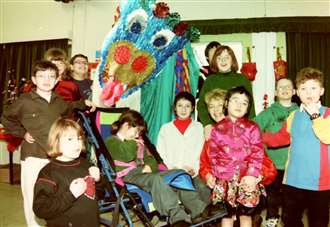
[34, 20]
[87, 22]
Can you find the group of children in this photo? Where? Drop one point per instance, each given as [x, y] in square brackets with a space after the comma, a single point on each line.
[231, 163]
[224, 158]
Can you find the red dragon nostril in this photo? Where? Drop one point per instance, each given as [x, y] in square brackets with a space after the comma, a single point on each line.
[140, 64]
[122, 54]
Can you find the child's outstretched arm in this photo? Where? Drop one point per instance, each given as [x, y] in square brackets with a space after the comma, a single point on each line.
[280, 138]
[47, 203]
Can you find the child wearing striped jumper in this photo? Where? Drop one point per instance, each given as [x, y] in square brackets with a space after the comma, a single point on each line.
[307, 174]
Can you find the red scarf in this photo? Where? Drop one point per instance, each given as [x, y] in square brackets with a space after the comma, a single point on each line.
[182, 125]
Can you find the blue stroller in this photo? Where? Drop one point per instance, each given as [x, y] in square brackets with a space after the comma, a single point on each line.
[118, 198]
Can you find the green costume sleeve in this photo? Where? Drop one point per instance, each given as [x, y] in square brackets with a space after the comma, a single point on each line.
[124, 151]
[262, 120]
[203, 113]
[151, 161]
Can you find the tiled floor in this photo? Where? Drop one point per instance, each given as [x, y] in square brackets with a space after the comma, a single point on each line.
[11, 207]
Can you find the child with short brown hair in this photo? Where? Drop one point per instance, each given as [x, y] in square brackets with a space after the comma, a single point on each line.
[307, 174]
[79, 64]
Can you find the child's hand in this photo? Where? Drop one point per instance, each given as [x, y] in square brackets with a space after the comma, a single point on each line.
[249, 183]
[28, 138]
[139, 140]
[90, 104]
[94, 172]
[210, 180]
[77, 187]
[146, 169]
[190, 170]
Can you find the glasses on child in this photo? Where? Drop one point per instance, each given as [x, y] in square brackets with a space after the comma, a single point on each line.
[48, 77]
[287, 87]
[239, 102]
[80, 62]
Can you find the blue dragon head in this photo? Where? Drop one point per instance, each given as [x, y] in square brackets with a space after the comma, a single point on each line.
[137, 47]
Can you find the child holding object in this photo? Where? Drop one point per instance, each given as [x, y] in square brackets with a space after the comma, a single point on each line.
[64, 193]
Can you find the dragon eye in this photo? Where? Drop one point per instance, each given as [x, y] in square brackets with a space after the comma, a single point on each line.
[162, 38]
[137, 21]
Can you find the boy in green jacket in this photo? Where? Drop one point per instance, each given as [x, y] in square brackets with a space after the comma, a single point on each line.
[271, 120]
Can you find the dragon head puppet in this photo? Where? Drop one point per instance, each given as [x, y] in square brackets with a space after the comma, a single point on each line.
[137, 47]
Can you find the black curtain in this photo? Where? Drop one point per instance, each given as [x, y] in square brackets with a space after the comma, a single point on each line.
[17, 59]
[309, 50]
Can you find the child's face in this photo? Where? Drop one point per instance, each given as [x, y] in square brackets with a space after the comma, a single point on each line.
[215, 108]
[60, 65]
[284, 90]
[45, 81]
[310, 91]
[237, 105]
[132, 133]
[70, 145]
[80, 65]
[224, 62]
[183, 109]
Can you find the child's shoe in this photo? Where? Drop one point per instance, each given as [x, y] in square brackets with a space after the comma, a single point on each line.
[271, 222]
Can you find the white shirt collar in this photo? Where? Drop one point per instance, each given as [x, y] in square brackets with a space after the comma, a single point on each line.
[302, 108]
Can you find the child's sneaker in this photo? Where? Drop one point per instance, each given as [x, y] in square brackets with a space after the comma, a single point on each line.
[271, 222]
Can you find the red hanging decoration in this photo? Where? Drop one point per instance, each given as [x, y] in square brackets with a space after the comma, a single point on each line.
[265, 103]
[249, 69]
[280, 66]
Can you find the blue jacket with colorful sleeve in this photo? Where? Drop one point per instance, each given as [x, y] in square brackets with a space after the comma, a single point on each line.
[308, 165]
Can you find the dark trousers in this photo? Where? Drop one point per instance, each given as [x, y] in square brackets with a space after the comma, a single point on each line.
[297, 200]
[203, 190]
[274, 199]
